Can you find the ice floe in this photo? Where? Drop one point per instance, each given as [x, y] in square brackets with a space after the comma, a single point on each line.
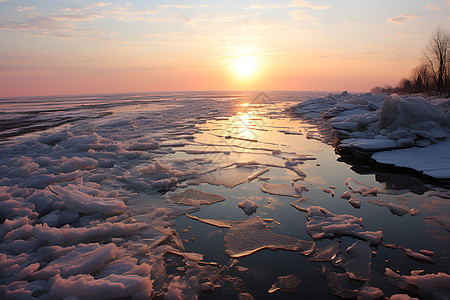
[324, 224]
[195, 197]
[381, 122]
[356, 260]
[248, 206]
[247, 237]
[428, 286]
[281, 189]
[288, 283]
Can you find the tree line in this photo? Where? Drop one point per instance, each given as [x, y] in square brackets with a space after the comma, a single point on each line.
[432, 76]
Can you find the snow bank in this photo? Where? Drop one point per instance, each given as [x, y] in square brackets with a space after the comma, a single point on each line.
[369, 123]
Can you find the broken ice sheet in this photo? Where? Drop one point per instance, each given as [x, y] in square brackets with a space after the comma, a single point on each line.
[325, 253]
[79, 201]
[359, 187]
[301, 204]
[247, 237]
[428, 286]
[232, 176]
[356, 260]
[341, 285]
[280, 189]
[322, 224]
[195, 197]
[288, 283]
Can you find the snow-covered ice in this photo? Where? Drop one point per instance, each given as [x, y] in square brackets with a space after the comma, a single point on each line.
[380, 123]
[94, 204]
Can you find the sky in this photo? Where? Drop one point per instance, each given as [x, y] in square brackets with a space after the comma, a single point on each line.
[60, 47]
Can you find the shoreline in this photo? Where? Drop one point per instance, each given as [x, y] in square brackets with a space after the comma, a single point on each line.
[354, 121]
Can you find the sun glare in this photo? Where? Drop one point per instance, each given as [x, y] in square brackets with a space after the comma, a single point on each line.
[245, 66]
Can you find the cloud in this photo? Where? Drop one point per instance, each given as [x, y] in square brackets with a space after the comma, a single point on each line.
[258, 24]
[181, 5]
[307, 4]
[300, 15]
[65, 22]
[102, 4]
[403, 18]
[397, 34]
[261, 6]
[437, 5]
[25, 8]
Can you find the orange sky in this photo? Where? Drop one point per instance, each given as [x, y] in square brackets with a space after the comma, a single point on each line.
[80, 47]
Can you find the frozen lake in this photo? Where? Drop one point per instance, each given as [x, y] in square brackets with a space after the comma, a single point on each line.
[208, 194]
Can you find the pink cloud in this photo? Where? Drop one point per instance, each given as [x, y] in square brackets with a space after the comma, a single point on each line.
[403, 18]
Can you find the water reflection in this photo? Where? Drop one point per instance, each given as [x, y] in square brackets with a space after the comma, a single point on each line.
[265, 140]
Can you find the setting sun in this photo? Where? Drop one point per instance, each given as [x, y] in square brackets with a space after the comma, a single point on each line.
[245, 65]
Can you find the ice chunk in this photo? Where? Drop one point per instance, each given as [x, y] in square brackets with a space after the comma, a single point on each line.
[346, 195]
[288, 283]
[356, 260]
[247, 237]
[402, 297]
[429, 286]
[151, 145]
[355, 202]
[433, 160]
[394, 208]
[299, 172]
[84, 259]
[248, 206]
[322, 223]
[113, 286]
[326, 253]
[368, 144]
[417, 255]
[397, 210]
[300, 204]
[282, 189]
[195, 197]
[77, 163]
[369, 293]
[85, 203]
[402, 112]
[340, 284]
[68, 235]
[300, 188]
[232, 176]
[361, 188]
[444, 221]
[245, 296]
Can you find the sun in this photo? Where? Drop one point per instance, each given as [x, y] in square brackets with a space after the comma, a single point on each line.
[245, 66]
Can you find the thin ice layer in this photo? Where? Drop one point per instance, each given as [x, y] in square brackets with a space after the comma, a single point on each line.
[247, 237]
[326, 253]
[433, 160]
[288, 283]
[429, 286]
[359, 187]
[356, 260]
[233, 176]
[282, 189]
[340, 284]
[195, 197]
[322, 223]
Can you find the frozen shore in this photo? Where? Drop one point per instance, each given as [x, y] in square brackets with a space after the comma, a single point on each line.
[160, 199]
[405, 131]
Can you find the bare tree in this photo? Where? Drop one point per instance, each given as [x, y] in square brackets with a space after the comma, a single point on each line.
[421, 78]
[437, 59]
